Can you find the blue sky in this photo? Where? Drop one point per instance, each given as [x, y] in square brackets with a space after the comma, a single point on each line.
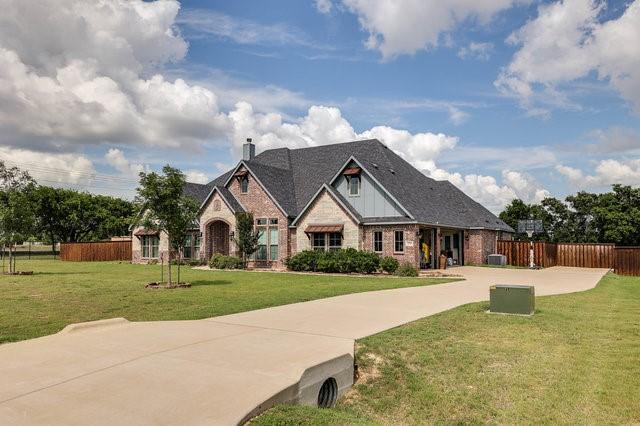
[505, 98]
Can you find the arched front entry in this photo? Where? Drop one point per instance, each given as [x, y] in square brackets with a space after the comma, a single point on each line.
[217, 238]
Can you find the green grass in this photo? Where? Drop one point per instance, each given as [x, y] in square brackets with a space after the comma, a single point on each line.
[61, 293]
[576, 361]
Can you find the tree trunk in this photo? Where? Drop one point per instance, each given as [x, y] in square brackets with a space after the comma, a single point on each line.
[10, 261]
[169, 263]
[179, 262]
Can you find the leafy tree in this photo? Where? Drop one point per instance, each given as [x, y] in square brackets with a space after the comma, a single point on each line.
[247, 237]
[612, 217]
[165, 207]
[17, 218]
[65, 215]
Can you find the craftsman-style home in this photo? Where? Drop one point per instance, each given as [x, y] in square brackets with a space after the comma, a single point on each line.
[356, 194]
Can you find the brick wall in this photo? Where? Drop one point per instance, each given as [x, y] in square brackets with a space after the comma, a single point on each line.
[480, 244]
[411, 242]
[325, 210]
[258, 202]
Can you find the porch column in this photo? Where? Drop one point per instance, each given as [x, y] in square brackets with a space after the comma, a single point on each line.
[436, 249]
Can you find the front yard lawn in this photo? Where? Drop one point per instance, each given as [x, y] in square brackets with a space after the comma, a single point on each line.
[62, 293]
[577, 361]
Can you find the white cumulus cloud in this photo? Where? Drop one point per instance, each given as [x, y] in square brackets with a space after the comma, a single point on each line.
[605, 173]
[407, 26]
[566, 42]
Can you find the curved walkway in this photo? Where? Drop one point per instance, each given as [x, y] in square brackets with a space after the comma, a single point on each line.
[225, 369]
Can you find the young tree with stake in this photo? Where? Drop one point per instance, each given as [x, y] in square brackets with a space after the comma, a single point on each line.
[165, 208]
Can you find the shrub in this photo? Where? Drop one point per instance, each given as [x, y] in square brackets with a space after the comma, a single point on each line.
[407, 270]
[220, 261]
[197, 262]
[344, 261]
[367, 262]
[328, 261]
[152, 262]
[304, 261]
[389, 264]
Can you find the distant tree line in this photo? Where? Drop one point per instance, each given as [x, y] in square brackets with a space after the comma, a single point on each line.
[611, 217]
[29, 211]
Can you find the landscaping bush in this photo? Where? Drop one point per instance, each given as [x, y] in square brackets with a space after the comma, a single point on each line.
[407, 270]
[197, 262]
[367, 262]
[304, 261]
[328, 261]
[220, 261]
[389, 264]
[344, 261]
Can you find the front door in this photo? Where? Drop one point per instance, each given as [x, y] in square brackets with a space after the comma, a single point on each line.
[219, 238]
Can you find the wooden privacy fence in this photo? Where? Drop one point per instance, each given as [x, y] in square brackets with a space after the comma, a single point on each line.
[517, 253]
[624, 260]
[99, 251]
[627, 261]
[586, 255]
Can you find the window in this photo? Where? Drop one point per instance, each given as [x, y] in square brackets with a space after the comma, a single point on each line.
[186, 252]
[354, 185]
[261, 253]
[273, 243]
[150, 246]
[377, 241]
[398, 245]
[196, 245]
[324, 241]
[335, 241]
[319, 241]
[244, 184]
[191, 246]
[267, 239]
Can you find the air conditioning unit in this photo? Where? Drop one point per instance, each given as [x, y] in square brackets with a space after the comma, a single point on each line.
[512, 299]
[497, 259]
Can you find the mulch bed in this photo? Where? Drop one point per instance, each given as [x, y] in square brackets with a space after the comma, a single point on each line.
[156, 285]
[19, 273]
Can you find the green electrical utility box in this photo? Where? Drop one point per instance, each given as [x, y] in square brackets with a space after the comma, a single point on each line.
[512, 299]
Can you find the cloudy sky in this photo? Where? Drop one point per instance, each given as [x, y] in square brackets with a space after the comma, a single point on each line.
[505, 98]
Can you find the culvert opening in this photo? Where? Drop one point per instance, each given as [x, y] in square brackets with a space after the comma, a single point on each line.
[328, 393]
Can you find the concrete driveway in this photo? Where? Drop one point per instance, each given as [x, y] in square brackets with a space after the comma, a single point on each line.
[224, 370]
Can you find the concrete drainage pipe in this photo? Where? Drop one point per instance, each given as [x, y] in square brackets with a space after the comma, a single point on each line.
[328, 393]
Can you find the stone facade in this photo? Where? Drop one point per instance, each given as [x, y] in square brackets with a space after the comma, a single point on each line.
[257, 201]
[411, 252]
[326, 211]
[215, 210]
[136, 248]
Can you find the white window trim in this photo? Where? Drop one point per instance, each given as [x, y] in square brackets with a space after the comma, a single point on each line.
[373, 241]
[404, 242]
[349, 185]
[149, 246]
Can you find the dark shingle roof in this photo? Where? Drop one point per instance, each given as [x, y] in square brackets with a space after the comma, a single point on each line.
[196, 191]
[228, 196]
[293, 177]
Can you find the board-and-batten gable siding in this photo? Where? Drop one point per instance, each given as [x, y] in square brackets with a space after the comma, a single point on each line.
[373, 201]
